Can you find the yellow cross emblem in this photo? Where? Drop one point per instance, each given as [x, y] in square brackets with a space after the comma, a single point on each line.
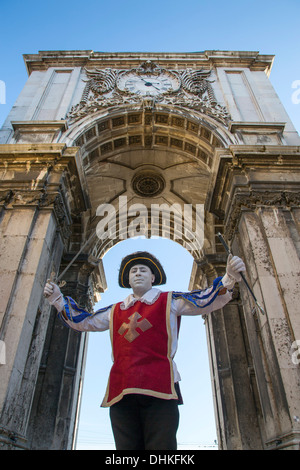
[132, 334]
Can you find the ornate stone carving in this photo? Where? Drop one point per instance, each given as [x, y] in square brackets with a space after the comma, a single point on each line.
[148, 103]
[149, 67]
[5, 196]
[196, 82]
[203, 105]
[148, 184]
[193, 90]
[41, 198]
[63, 216]
[197, 93]
[99, 81]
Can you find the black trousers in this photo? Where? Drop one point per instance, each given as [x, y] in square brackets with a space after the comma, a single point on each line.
[140, 422]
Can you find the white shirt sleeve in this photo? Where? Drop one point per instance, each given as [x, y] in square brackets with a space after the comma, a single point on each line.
[200, 302]
[184, 307]
[81, 320]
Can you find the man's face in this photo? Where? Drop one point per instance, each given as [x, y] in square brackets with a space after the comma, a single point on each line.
[140, 279]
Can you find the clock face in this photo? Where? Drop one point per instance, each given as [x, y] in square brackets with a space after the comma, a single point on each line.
[148, 84]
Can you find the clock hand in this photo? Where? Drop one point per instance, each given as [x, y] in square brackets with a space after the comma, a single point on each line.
[149, 83]
[144, 80]
[155, 87]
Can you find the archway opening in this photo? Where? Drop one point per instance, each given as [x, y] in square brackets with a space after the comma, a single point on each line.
[145, 158]
[197, 424]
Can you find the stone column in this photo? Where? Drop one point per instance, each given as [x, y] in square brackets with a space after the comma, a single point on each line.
[273, 268]
[231, 367]
[55, 407]
[36, 202]
[258, 195]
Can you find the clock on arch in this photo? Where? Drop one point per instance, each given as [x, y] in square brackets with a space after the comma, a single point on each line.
[148, 83]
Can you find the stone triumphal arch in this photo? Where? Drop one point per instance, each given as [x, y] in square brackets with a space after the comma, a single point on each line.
[123, 129]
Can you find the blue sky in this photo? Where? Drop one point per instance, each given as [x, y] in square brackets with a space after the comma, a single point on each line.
[269, 26]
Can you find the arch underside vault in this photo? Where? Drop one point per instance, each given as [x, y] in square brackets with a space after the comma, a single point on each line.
[140, 161]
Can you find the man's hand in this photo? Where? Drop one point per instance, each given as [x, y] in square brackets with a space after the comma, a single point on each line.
[53, 294]
[235, 265]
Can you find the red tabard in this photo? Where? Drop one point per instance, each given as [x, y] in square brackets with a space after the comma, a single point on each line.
[141, 343]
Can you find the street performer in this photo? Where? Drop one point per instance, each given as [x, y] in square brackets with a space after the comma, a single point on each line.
[143, 387]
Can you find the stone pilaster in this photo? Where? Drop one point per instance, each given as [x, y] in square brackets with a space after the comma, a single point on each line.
[35, 219]
[258, 196]
[55, 408]
[236, 413]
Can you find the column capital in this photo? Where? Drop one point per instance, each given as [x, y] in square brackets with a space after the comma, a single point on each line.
[252, 176]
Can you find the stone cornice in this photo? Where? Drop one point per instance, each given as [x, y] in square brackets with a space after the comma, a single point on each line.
[32, 163]
[39, 125]
[251, 200]
[237, 150]
[207, 59]
[253, 176]
[27, 150]
[256, 127]
[35, 131]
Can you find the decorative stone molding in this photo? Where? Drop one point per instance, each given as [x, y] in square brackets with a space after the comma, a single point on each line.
[37, 131]
[193, 90]
[99, 82]
[253, 200]
[257, 127]
[145, 130]
[42, 199]
[237, 187]
[89, 58]
[6, 196]
[148, 184]
[270, 133]
[43, 176]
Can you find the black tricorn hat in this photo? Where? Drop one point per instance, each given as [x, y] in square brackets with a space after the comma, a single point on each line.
[141, 257]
